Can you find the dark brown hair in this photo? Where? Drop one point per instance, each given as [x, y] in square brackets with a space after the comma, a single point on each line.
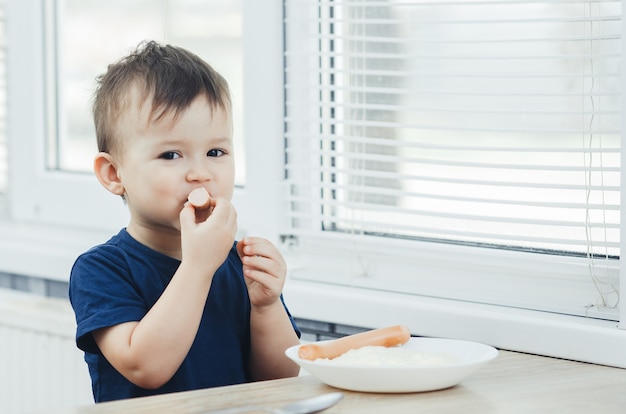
[171, 76]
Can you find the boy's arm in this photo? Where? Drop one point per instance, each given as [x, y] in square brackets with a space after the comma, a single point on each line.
[271, 334]
[150, 351]
[271, 331]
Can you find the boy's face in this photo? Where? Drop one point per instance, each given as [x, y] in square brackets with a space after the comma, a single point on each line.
[161, 162]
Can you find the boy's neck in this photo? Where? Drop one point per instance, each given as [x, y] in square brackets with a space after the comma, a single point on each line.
[164, 241]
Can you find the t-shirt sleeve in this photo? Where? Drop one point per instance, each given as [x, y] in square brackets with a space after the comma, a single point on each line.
[102, 294]
[291, 318]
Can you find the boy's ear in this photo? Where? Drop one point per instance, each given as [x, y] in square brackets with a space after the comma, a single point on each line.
[106, 171]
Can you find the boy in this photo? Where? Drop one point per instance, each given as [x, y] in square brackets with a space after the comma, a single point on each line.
[172, 303]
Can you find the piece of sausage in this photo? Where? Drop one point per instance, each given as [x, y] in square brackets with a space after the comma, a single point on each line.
[389, 336]
[199, 198]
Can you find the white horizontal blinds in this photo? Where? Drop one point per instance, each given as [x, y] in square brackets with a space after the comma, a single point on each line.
[479, 122]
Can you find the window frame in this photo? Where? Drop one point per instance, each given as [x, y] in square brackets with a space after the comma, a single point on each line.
[49, 219]
[41, 205]
[40, 195]
[505, 325]
[493, 269]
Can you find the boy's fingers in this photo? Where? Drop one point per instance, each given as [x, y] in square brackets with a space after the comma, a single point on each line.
[240, 246]
[187, 216]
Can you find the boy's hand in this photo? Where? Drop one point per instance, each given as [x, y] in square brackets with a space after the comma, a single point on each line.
[264, 269]
[206, 243]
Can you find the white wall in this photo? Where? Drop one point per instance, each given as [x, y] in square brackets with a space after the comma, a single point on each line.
[41, 368]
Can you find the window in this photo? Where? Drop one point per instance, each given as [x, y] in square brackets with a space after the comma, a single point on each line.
[53, 209]
[366, 181]
[435, 123]
[465, 151]
[210, 29]
[70, 43]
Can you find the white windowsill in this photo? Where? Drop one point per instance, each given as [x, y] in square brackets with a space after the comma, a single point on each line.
[49, 250]
[43, 251]
[569, 337]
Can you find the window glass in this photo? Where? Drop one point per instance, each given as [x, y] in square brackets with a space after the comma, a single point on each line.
[467, 125]
[91, 34]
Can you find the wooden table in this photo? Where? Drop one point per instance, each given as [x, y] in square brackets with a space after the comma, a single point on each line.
[512, 383]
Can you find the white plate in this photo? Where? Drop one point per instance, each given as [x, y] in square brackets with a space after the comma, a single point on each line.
[469, 357]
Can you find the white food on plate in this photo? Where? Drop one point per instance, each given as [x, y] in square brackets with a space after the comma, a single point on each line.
[376, 356]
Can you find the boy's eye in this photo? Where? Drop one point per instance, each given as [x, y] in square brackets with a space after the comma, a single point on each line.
[170, 155]
[215, 153]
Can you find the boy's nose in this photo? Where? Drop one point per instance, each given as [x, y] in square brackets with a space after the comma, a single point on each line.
[198, 172]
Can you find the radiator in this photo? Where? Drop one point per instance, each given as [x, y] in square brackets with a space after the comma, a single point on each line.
[40, 367]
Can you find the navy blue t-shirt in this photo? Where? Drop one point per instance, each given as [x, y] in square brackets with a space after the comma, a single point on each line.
[120, 281]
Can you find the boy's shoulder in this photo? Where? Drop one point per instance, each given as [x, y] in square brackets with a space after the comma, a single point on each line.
[110, 249]
[120, 257]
